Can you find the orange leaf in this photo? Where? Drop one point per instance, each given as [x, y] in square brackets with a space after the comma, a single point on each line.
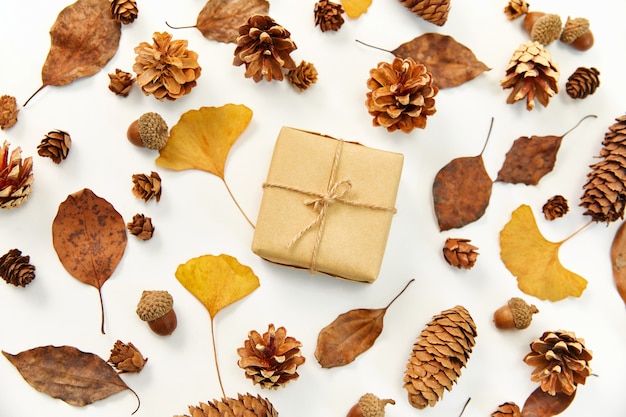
[220, 19]
[535, 261]
[355, 8]
[542, 404]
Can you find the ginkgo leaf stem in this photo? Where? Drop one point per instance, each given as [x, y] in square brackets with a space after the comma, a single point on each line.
[217, 366]
[236, 203]
[576, 232]
[579, 122]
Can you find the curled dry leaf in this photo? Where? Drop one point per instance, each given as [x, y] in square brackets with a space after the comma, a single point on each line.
[355, 8]
[542, 404]
[618, 260]
[220, 20]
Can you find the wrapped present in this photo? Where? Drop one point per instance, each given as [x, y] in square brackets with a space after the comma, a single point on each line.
[327, 205]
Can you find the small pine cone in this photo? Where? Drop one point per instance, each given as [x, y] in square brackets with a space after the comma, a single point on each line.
[302, 76]
[141, 226]
[402, 95]
[561, 362]
[328, 15]
[604, 196]
[55, 145]
[546, 29]
[532, 75]
[16, 269]
[121, 82]
[583, 82]
[16, 177]
[507, 409]
[460, 253]
[166, 68]
[438, 356]
[8, 112]
[245, 405]
[515, 9]
[433, 11]
[124, 11]
[147, 187]
[574, 29]
[126, 358]
[555, 207]
[270, 360]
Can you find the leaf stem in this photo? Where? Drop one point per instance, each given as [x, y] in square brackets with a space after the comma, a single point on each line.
[372, 46]
[236, 203]
[576, 232]
[487, 140]
[465, 406]
[179, 27]
[101, 311]
[138, 399]
[579, 122]
[33, 95]
[217, 366]
[400, 293]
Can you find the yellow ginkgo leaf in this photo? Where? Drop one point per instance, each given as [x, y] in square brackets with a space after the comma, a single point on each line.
[535, 261]
[201, 139]
[217, 281]
[355, 8]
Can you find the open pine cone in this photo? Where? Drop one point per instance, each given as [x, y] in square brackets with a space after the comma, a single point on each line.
[245, 405]
[16, 177]
[402, 95]
[147, 186]
[507, 409]
[55, 145]
[16, 269]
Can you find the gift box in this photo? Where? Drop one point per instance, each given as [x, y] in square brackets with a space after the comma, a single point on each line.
[327, 205]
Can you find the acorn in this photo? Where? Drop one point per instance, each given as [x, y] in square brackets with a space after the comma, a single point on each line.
[149, 131]
[516, 314]
[369, 405]
[156, 308]
[546, 29]
[530, 19]
[576, 33]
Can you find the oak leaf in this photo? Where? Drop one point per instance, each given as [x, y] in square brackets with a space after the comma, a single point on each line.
[220, 20]
[542, 404]
[535, 261]
[618, 260]
[89, 237]
[66, 373]
[83, 39]
[355, 8]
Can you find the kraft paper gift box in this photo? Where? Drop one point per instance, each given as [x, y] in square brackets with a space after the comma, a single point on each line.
[327, 205]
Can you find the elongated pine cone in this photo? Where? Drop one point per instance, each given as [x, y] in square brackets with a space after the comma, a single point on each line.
[402, 95]
[555, 207]
[121, 82]
[126, 358]
[583, 82]
[270, 360]
[55, 145]
[16, 269]
[141, 226]
[532, 75]
[8, 112]
[166, 68]
[460, 253]
[546, 29]
[16, 177]
[245, 405]
[147, 187]
[515, 9]
[328, 15]
[439, 354]
[561, 362]
[433, 11]
[124, 11]
[507, 409]
[303, 76]
[604, 193]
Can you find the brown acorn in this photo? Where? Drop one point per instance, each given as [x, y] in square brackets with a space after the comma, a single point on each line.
[156, 308]
[516, 314]
[369, 405]
[149, 131]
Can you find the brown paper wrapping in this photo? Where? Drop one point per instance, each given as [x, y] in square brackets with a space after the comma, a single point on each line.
[360, 182]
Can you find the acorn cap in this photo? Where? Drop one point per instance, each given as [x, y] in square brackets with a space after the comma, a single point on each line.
[522, 312]
[372, 406]
[153, 131]
[574, 29]
[154, 304]
[546, 29]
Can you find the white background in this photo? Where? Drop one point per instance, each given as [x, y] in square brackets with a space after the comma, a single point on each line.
[196, 216]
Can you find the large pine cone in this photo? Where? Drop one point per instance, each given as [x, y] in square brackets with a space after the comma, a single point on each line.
[166, 69]
[532, 75]
[16, 177]
[561, 362]
[55, 145]
[245, 405]
[605, 191]
[402, 95]
[270, 360]
[433, 11]
[16, 269]
[264, 47]
[439, 354]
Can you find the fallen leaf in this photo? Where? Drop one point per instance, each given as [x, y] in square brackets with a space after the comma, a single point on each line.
[66, 373]
[355, 8]
[220, 20]
[542, 404]
[535, 261]
[89, 237]
[350, 334]
[83, 39]
[618, 260]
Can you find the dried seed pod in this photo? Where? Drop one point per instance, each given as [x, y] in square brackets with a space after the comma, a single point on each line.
[369, 405]
[157, 309]
[516, 314]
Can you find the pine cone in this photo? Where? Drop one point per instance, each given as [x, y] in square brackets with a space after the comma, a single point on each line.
[555, 207]
[8, 112]
[531, 74]
[433, 11]
[270, 360]
[561, 362]
[141, 226]
[402, 95]
[264, 47]
[574, 29]
[546, 29]
[328, 15]
[166, 69]
[16, 177]
[583, 82]
[459, 253]
[147, 187]
[302, 76]
[605, 191]
[515, 9]
[124, 11]
[121, 82]
[439, 354]
[16, 269]
[245, 405]
[126, 358]
[507, 409]
[55, 145]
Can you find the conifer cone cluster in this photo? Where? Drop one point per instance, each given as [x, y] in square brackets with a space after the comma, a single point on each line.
[441, 351]
[303, 76]
[604, 195]
[555, 207]
[141, 226]
[124, 11]
[125, 357]
[507, 409]
[55, 145]
[147, 186]
[245, 405]
[328, 15]
[583, 82]
[121, 82]
[433, 11]
[460, 253]
[16, 177]
[16, 269]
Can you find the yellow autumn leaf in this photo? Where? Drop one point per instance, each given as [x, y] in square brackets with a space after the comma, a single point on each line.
[534, 260]
[201, 139]
[355, 8]
[217, 281]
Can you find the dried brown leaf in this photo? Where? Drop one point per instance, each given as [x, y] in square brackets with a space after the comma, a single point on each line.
[220, 20]
[542, 404]
[618, 260]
